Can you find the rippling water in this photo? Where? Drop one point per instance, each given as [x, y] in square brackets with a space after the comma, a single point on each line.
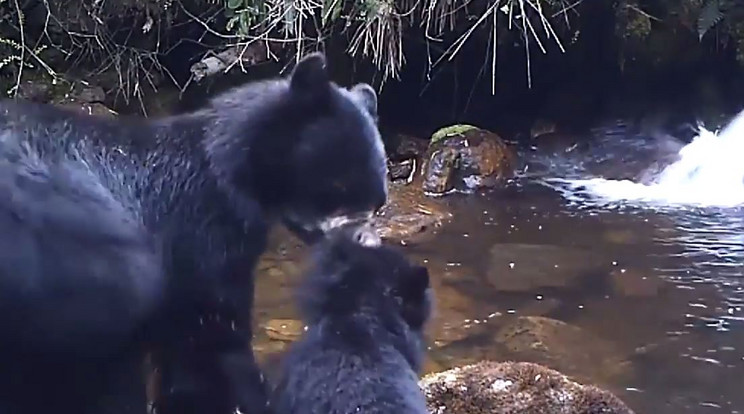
[706, 172]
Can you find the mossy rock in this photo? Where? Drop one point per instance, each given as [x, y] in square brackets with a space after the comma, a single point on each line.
[451, 131]
[465, 158]
[489, 387]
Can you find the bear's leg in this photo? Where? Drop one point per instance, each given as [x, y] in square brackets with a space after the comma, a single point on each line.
[124, 391]
[208, 380]
[211, 369]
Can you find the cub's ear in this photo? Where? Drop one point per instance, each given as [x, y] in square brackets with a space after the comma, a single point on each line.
[366, 95]
[337, 248]
[416, 283]
[310, 76]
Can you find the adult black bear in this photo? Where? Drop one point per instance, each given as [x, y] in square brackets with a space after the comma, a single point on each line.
[78, 274]
[84, 198]
[365, 307]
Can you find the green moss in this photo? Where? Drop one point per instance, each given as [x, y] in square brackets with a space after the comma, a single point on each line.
[638, 26]
[451, 131]
[631, 22]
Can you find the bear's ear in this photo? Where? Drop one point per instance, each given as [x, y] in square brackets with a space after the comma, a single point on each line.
[310, 75]
[367, 97]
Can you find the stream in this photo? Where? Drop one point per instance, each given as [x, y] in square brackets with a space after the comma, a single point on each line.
[637, 265]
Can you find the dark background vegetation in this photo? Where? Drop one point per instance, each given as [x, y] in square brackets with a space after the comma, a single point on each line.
[497, 63]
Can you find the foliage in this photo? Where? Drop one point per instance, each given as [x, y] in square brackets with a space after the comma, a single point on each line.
[121, 43]
[14, 54]
[710, 15]
[101, 37]
[375, 28]
[726, 13]
[635, 23]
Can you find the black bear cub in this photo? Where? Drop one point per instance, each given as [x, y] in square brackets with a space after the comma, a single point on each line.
[365, 308]
[122, 236]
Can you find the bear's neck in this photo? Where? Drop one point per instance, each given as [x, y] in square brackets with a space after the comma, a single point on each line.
[161, 165]
[179, 181]
[379, 329]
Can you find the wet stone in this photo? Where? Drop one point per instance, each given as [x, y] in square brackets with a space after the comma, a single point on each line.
[409, 213]
[402, 170]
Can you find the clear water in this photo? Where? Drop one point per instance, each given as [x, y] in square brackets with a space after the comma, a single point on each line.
[652, 274]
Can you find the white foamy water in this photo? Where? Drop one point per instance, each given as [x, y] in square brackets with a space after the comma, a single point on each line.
[709, 173]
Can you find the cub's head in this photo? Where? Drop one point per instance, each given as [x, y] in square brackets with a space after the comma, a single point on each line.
[306, 149]
[348, 278]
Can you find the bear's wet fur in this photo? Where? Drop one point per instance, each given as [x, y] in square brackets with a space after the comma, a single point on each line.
[366, 308]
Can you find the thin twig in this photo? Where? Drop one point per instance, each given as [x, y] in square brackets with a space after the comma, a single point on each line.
[21, 26]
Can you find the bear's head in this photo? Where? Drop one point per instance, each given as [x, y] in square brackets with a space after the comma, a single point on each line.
[351, 279]
[308, 150]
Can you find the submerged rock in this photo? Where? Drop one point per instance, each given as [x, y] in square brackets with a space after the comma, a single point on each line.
[563, 346]
[515, 267]
[465, 158]
[284, 329]
[491, 387]
[634, 283]
[452, 320]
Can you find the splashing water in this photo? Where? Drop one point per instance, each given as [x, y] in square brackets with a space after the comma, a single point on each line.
[708, 173]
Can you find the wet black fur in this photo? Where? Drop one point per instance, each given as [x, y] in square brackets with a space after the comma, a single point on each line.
[366, 308]
[90, 207]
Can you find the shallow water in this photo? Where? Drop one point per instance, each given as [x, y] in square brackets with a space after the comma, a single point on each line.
[654, 296]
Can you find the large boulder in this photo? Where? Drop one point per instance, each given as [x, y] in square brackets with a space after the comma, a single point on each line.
[464, 158]
[514, 388]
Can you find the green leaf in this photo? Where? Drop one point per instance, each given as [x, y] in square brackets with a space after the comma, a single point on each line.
[245, 23]
[290, 14]
[234, 4]
[331, 10]
[709, 17]
[231, 22]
